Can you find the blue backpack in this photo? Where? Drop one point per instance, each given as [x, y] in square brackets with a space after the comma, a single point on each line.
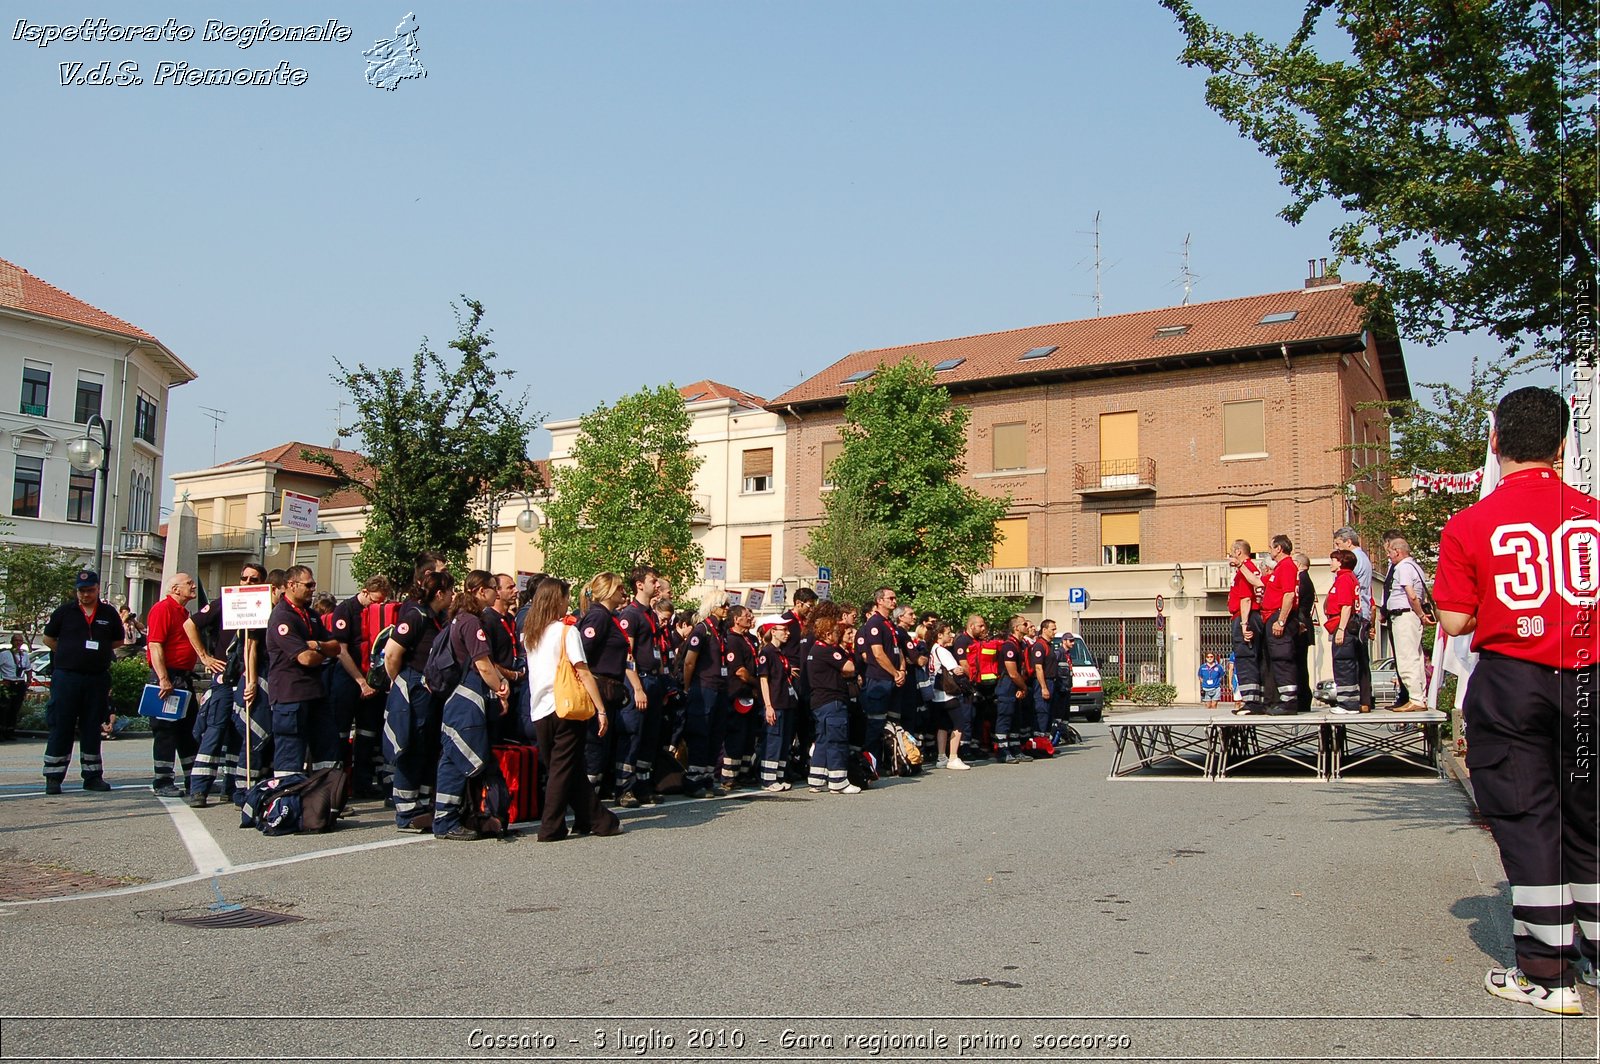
[441, 672]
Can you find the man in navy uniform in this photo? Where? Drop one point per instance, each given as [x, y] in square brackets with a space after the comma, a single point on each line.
[298, 646]
[1520, 571]
[81, 634]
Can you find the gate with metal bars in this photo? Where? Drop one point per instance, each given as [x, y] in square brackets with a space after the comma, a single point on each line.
[1216, 637]
[1129, 647]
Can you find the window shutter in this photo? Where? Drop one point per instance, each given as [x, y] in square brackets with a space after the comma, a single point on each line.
[755, 558]
[758, 462]
[1011, 446]
[1244, 428]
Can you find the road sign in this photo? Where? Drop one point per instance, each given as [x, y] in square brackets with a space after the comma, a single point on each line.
[824, 589]
[779, 595]
[299, 512]
[716, 570]
[824, 573]
[1077, 598]
[1161, 603]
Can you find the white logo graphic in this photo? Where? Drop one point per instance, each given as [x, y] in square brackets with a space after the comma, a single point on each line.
[393, 61]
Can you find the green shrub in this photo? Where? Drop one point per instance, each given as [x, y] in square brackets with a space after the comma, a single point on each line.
[127, 683]
[1153, 694]
[1115, 688]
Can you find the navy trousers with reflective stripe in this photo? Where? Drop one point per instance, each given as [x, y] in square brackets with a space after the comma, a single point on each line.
[411, 744]
[1531, 745]
[832, 746]
[78, 706]
[463, 749]
[705, 712]
[173, 740]
[637, 737]
[1247, 663]
[212, 724]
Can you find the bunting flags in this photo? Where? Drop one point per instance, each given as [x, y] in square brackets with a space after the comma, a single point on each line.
[1452, 483]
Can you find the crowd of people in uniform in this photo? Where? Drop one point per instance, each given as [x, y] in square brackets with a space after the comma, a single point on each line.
[693, 703]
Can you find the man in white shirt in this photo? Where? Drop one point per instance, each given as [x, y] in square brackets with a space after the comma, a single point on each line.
[16, 670]
[1404, 595]
[1349, 539]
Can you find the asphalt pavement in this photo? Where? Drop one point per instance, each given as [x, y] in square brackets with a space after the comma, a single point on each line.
[1033, 912]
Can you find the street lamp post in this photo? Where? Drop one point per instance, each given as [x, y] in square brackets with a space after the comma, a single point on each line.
[89, 455]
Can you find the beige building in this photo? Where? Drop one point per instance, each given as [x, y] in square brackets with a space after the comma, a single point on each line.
[238, 503]
[68, 362]
[739, 488]
[1134, 448]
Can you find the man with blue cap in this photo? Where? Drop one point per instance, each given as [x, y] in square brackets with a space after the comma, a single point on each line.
[81, 634]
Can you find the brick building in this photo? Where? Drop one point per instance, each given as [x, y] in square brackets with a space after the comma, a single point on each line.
[1134, 448]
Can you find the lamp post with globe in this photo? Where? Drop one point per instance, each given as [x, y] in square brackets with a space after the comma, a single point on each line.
[89, 455]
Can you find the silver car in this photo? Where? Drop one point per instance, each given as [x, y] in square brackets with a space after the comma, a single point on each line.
[1385, 686]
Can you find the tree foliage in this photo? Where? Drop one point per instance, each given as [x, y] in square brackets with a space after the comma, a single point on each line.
[1458, 136]
[627, 496]
[438, 436]
[1447, 433]
[34, 580]
[897, 493]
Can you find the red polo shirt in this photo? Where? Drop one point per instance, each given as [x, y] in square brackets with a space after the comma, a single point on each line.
[1283, 580]
[165, 628]
[1241, 596]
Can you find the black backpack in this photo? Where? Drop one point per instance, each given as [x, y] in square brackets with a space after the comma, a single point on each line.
[441, 672]
[377, 675]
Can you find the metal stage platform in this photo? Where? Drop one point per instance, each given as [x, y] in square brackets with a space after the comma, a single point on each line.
[1196, 743]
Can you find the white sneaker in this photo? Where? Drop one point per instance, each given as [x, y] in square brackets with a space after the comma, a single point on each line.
[1511, 984]
[1342, 710]
[943, 762]
[957, 765]
[1588, 972]
[849, 788]
[774, 788]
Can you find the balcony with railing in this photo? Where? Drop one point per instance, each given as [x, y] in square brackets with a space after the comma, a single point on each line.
[1007, 583]
[227, 543]
[149, 545]
[1120, 476]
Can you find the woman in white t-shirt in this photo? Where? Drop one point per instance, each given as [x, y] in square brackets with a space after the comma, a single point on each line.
[546, 635]
[952, 712]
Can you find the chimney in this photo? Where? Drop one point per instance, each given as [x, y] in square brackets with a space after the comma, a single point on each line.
[1317, 275]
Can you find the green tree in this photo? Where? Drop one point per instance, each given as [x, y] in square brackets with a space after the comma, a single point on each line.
[34, 580]
[852, 546]
[1446, 433]
[896, 487]
[437, 437]
[626, 498]
[1458, 136]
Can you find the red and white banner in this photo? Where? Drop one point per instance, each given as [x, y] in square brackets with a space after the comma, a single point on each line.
[1452, 483]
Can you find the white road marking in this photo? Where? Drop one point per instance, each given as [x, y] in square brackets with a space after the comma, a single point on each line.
[232, 870]
[36, 790]
[208, 856]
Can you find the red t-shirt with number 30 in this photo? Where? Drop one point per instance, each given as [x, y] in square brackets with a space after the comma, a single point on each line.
[1526, 560]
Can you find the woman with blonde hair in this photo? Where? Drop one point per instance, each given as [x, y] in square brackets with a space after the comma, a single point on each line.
[609, 651]
[546, 635]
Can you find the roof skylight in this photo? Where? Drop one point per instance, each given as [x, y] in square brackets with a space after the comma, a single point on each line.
[855, 378]
[1279, 317]
[949, 363]
[1039, 352]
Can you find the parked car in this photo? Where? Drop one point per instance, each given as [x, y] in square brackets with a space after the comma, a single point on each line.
[1088, 697]
[1385, 686]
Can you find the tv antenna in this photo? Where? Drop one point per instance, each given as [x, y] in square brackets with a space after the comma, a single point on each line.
[217, 418]
[1100, 267]
[1186, 276]
[338, 423]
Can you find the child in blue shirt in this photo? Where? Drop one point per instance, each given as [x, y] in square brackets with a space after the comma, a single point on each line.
[1210, 681]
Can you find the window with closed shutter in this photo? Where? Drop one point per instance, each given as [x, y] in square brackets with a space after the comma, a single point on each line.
[755, 559]
[1011, 446]
[831, 450]
[757, 462]
[1244, 427]
[1011, 543]
[1248, 523]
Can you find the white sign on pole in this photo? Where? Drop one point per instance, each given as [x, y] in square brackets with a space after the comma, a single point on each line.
[754, 598]
[246, 606]
[716, 570]
[734, 598]
[299, 512]
[824, 589]
[779, 595]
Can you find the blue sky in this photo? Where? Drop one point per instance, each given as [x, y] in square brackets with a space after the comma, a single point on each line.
[637, 191]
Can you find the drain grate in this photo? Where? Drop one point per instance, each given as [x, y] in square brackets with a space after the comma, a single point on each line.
[236, 918]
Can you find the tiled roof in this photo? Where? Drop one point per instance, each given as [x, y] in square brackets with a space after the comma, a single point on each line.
[21, 290]
[700, 391]
[288, 456]
[1230, 325]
